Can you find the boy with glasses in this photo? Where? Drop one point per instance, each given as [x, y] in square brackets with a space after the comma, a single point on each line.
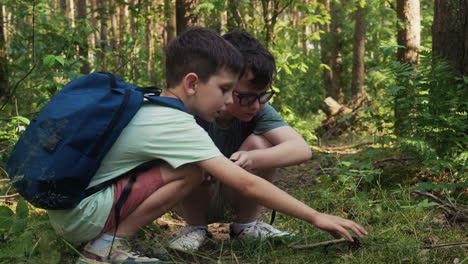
[255, 137]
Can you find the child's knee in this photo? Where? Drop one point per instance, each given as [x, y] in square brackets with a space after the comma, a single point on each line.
[255, 142]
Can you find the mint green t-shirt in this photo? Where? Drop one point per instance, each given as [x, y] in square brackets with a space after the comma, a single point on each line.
[229, 139]
[155, 132]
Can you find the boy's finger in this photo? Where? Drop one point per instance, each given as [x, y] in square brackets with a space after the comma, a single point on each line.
[346, 234]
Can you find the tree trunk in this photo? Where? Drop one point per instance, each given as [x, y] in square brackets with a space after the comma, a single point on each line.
[150, 43]
[70, 12]
[450, 33]
[113, 25]
[123, 14]
[84, 47]
[103, 35]
[95, 37]
[171, 24]
[409, 30]
[4, 85]
[359, 49]
[331, 43]
[234, 20]
[182, 20]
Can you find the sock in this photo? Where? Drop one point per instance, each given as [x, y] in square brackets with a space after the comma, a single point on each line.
[238, 227]
[103, 241]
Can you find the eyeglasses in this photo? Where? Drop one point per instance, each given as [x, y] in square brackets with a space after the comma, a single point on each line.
[249, 99]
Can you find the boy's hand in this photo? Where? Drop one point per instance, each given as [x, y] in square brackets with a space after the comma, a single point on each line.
[338, 226]
[243, 160]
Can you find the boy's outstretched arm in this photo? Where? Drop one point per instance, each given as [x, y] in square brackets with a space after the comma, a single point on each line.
[288, 148]
[272, 197]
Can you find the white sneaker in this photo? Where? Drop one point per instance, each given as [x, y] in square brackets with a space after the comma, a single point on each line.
[120, 253]
[258, 230]
[191, 238]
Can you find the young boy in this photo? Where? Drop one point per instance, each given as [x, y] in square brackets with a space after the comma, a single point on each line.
[255, 137]
[202, 70]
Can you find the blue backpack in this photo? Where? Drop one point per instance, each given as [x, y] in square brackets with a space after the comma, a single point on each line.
[53, 162]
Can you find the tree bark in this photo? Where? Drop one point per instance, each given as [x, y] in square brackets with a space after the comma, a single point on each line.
[123, 14]
[183, 18]
[95, 37]
[70, 12]
[83, 48]
[234, 20]
[4, 85]
[450, 33]
[113, 25]
[150, 43]
[103, 35]
[409, 30]
[359, 49]
[171, 24]
[331, 43]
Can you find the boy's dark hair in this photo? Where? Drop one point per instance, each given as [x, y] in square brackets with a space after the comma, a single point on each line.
[201, 51]
[256, 57]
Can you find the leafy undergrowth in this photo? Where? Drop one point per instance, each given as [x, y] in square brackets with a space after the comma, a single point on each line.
[371, 186]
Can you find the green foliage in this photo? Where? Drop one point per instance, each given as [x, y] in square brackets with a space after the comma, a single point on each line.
[423, 110]
[10, 131]
[28, 237]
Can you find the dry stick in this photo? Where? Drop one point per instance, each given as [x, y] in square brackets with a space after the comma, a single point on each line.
[437, 199]
[449, 245]
[10, 196]
[336, 241]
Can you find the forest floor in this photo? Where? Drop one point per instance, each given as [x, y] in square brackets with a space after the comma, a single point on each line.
[372, 186]
[404, 228]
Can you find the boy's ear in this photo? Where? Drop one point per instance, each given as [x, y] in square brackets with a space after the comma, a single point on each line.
[190, 83]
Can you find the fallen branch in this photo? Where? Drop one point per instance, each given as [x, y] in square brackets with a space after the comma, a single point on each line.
[401, 160]
[456, 214]
[449, 245]
[438, 200]
[336, 241]
[10, 196]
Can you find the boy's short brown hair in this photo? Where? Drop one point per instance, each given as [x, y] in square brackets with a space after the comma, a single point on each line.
[201, 51]
[257, 58]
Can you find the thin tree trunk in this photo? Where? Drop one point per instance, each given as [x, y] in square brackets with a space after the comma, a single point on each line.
[234, 21]
[409, 31]
[450, 33]
[149, 43]
[95, 37]
[70, 12]
[113, 25]
[409, 34]
[103, 35]
[123, 14]
[4, 85]
[359, 49]
[331, 44]
[171, 24]
[84, 47]
[182, 20]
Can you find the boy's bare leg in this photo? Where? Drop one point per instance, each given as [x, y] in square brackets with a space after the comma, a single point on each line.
[194, 207]
[177, 184]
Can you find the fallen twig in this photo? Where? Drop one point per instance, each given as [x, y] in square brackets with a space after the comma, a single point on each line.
[336, 241]
[438, 200]
[449, 245]
[401, 160]
[10, 196]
